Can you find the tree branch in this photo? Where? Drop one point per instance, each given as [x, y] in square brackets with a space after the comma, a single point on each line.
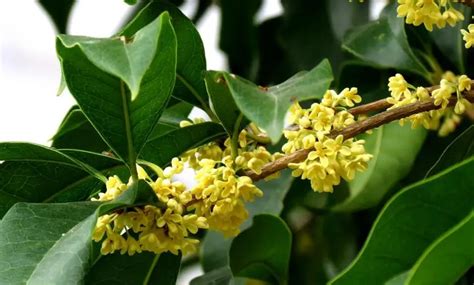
[469, 3]
[360, 127]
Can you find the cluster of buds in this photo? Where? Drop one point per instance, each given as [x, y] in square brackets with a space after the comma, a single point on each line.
[330, 158]
[403, 93]
[429, 13]
[216, 201]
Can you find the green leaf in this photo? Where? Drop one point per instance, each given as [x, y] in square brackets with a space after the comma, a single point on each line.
[355, 14]
[32, 173]
[254, 255]
[219, 276]
[222, 102]
[59, 12]
[450, 41]
[161, 149]
[446, 259]
[39, 242]
[96, 69]
[374, 41]
[191, 62]
[411, 221]
[394, 149]
[461, 148]
[143, 268]
[267, 107]
[76, 132]
[29, 231]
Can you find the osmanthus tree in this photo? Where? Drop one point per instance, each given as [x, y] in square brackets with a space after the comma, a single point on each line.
[297, 178]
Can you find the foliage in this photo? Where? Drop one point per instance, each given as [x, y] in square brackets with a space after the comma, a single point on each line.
[104, 203]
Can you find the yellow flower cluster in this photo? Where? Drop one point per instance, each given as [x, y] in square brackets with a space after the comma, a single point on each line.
[468, 36]
[429, 13]
[220, 195]
[330, 158]
[250, 155]
[217, 201]
[403, 93]
[150, 228]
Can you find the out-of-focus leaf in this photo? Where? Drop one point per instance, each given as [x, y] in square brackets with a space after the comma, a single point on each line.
[459, 149]
[267, 106]
[302, 35]
[143, 268]
[394, 149]
[411, 221]
[39, 242]
[449, 40]
[254, 255]
[355, 13]
[374, 41]
[238, 22]
[101, 74]
[59, 12]
[219, 276]
[191, 61]
[160, 150]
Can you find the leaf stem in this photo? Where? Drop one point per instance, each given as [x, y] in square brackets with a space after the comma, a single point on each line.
[150, 270]
[128, 130]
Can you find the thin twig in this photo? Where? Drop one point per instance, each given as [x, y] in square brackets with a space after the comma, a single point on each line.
[357, 128]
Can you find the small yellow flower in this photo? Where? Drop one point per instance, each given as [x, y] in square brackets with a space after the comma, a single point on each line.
[468, 36]
[398, 86]
[464, 83]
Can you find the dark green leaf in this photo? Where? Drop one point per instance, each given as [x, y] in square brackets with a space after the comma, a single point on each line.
[302, 35]
[262, 251]
[238, 22]
[446, 259]
[99, 80]
[29, 231]
[32, 173]
[394, 149]
[222, 102]
[60, 235]
[450, 41]
[191, 59]
[59, 12]
[123, 269]
[78, 133]
[386, 36]
[355, 13]
[220, 276]
[411, 221]
[161, 149]
[459, 149]
[267, 107]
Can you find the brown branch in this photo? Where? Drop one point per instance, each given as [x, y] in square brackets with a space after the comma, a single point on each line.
[469, 3]
[358, 128]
